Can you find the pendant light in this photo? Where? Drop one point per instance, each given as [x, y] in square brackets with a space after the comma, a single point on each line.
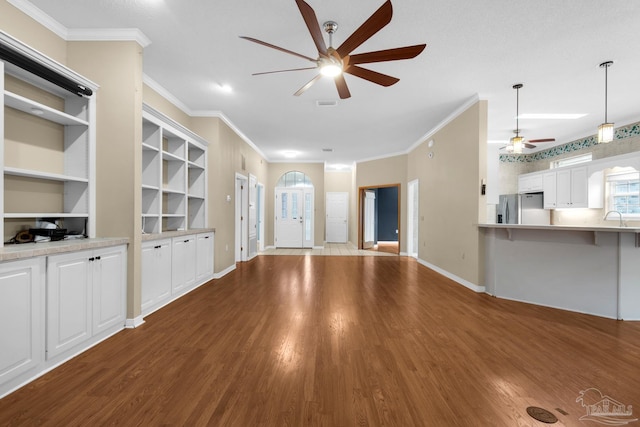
[605, 130]
[517, 142]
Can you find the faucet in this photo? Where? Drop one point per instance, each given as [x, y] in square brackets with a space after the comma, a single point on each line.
[607, 214]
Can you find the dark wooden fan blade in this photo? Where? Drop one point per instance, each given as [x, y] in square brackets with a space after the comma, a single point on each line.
[396, 54]
[535, 141]
[283, 71]
[308, 85]
[527, 145]
[375, 23]
[281, 49]
[341, 84]
[372, 76]
[311, 20]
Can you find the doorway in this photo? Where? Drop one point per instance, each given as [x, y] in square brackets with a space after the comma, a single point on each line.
[294, 208]
[379, 218]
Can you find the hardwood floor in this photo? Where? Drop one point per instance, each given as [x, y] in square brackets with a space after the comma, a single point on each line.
[339, 341]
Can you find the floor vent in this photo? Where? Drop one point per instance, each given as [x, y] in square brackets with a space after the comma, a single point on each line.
[541, 415]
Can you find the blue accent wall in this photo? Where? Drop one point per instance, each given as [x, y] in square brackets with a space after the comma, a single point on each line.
[387, 214]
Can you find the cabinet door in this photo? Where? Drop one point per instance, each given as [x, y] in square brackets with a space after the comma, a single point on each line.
[149, 275]
[68, 301]
[178, 264]
[156, 274]
[563, 189]
[579, 187]
[549, 189]
[190, 261]
[204, 266]
[21, 317]
[109, 287]
[163, 269]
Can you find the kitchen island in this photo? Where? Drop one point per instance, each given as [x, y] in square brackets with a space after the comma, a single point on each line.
[593, 270]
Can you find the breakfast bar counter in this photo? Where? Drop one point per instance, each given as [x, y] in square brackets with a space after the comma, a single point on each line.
[594, 270]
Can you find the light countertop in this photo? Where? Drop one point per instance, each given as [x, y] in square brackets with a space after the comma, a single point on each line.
[30, 250]
[564, 228]
[170, 234]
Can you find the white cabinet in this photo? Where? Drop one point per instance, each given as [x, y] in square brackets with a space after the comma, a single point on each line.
[172, 267]
[183, 263]
[572, 188]
[48, 141]
[109, 288]
[174, 175]
[156, 274]
[68, 301]
[530, 183]
[204, 264]
[21, 318]
[549, 189]
[85, 296]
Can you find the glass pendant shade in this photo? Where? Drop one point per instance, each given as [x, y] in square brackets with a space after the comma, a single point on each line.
[605, 133]
[517, 142]
[605, 130]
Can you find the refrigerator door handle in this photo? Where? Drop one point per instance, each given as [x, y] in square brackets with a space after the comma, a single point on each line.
[506, 211]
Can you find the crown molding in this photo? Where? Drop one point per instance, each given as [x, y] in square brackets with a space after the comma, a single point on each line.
[40, 17]
[201, 113]
[108, 34]
[451, 117]
[80, 34]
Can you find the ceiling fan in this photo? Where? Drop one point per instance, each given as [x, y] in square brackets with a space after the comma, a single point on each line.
[334, 62]
[517, 142]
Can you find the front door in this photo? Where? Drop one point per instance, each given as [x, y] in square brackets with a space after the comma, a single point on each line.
[294, 217]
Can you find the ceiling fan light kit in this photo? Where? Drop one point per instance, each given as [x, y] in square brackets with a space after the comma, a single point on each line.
[605, 130]
[335, 62]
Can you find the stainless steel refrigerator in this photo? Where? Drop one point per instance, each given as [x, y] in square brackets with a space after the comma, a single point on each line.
[522, 209]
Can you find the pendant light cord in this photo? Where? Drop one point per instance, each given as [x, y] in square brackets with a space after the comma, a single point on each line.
[606, 69]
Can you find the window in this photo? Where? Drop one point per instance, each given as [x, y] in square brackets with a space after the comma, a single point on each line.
[624, 192]
[284, 206]
[571, 161]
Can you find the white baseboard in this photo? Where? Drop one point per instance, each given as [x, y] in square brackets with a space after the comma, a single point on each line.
[403, 254]
[319, 248]
[269, 248]
[453, 277]
[134, 323]
[224, 272]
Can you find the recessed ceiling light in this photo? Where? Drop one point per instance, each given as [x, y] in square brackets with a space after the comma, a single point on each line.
[224, 88]
[552, 116]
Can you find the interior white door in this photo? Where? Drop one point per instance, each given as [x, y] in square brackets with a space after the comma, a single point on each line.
[369, 220]
[412, 220]
[289, 218]
[253, 216]
[337, 206]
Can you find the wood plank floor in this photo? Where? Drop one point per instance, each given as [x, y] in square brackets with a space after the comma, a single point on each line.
[338, 341]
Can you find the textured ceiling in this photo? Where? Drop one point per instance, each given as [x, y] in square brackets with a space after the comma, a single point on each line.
[474, 48]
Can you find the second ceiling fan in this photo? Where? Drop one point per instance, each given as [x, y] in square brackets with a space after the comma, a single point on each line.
[335, 62]
[516, 143]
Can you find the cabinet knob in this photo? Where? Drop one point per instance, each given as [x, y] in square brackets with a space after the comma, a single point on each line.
[92, 259]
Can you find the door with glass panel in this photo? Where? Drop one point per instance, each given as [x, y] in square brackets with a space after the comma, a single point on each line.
[294, 216]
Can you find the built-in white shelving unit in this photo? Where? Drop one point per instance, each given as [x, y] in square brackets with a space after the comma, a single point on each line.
[174, 175]
[47, 135]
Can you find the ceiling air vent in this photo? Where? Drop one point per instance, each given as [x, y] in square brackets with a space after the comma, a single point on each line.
[327, 150]
[320, 103]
